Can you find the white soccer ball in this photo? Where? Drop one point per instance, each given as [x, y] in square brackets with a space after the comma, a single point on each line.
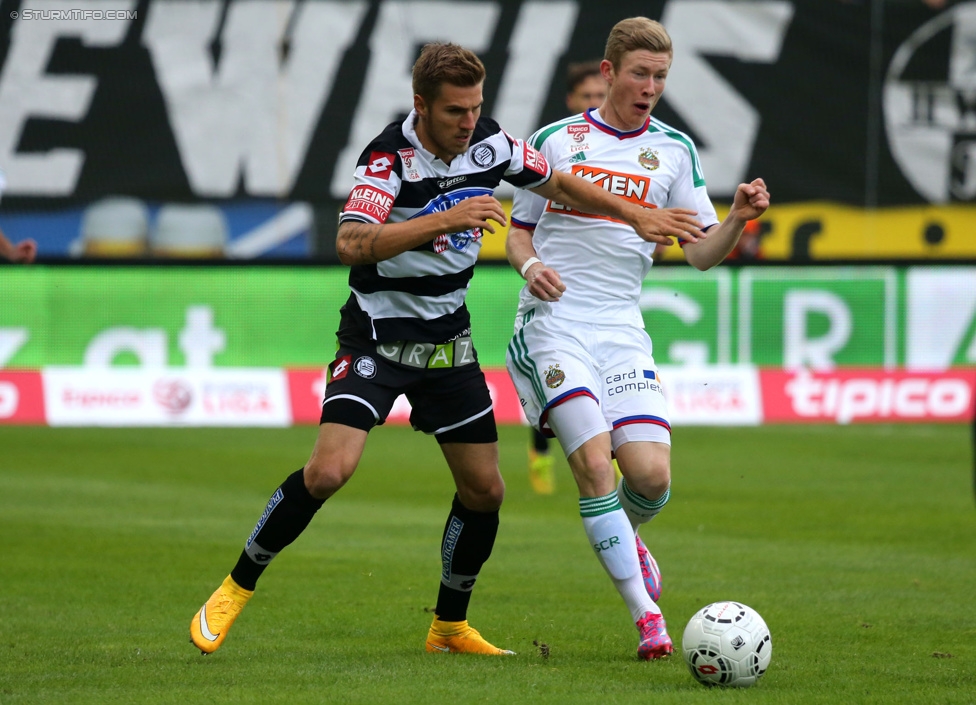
[727, 643]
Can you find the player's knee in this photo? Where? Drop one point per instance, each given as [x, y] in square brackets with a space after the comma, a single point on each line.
[595, 461]
[324, 476]
[484, 494]
[653, 480]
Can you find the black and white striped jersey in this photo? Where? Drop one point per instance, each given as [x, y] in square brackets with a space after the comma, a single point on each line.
[419, 294]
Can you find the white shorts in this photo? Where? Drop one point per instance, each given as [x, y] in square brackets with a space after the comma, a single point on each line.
[553, 360]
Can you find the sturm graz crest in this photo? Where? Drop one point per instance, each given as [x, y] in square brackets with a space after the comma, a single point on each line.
[930, 106]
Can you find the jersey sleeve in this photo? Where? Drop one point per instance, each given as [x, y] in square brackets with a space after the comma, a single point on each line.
[377, 183]
[528, 167]
[688, 190]
[527, 207]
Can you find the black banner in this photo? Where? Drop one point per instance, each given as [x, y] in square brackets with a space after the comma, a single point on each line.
[222, 101]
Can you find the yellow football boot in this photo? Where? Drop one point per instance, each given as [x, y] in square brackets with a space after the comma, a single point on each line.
[541, 475]
[210, 624]
[459, 638]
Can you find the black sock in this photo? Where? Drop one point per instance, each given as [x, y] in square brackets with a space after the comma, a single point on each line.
[289, 511]
[539, 442]
[468, 539]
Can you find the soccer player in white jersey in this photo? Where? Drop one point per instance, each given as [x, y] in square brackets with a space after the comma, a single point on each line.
[580, 358]
[410, 232]
[585, 88]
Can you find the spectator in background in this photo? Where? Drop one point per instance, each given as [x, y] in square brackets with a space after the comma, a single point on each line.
[585, 88]
[22, 252]
[749, 246]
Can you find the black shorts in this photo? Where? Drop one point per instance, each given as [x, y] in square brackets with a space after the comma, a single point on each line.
[444, 385]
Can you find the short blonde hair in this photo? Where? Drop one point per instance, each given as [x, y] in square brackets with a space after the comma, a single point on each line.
[636, 33]
[441, 63]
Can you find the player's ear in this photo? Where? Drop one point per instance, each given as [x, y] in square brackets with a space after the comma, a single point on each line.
[419, 105]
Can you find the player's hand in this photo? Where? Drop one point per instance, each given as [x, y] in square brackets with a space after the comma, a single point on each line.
[664, 225]
[24, 252]
[544, 282]
[475, 212]
[751, 200]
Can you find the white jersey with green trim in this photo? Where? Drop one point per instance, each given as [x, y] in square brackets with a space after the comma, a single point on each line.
[602, 261]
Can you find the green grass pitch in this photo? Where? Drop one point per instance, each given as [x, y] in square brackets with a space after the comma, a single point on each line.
[856, 544]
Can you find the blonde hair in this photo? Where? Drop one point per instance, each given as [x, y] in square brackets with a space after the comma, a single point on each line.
[636, 33]
[441, 63]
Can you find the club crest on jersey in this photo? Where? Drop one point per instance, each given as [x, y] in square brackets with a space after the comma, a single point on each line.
[365, 367]
[554, 376]
[648, 159]
[461, 241]
[483, 155]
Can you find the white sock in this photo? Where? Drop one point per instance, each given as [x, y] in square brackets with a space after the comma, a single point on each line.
[639, 508]
[611, 537]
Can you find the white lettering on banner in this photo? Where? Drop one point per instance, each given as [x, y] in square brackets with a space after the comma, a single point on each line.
[11, 340]
[532, 57]
[253, 115]
[846, 400]
[750, 31]
[689, 312]
[148, 345]
[401, 27]
[199, 340]
[799, 350]
[27, 91]
[936, 342]
[9, 399]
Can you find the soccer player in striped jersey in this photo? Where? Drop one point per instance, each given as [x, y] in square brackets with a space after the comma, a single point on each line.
[410, 233]
[580, 358]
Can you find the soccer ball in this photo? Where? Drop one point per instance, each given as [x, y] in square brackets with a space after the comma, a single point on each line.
[727, 643]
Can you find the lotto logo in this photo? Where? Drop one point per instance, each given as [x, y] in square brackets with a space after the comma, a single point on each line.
[370, 202]
[535, 161]
[380, 165]
[340, 367]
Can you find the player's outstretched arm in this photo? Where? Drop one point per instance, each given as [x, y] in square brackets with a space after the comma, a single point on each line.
[751, 201]
[369, 243]
[544, 282]
[23, 252]
[657, 225]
